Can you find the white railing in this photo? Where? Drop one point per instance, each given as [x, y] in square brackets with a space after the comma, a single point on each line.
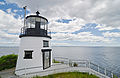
[103, 72]
[87, 64]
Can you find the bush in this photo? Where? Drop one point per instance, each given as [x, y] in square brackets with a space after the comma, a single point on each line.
[8, 61]
[54, 61]
[114, 76]
[75, 64]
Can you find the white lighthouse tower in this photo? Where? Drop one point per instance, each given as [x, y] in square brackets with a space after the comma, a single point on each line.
[34, 51]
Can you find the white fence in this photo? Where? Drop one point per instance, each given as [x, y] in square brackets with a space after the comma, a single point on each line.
[87, 64]
[65, 64]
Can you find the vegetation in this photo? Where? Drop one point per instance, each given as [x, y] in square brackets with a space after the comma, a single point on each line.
[114, 76]
[54, 61]
[69, 75]
[75, 64]
[8, 61]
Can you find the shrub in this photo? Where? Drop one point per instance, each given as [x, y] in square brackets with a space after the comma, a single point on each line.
[8, 61]
[75, 64]
[54, 61]
[62, 62]
[114, 76]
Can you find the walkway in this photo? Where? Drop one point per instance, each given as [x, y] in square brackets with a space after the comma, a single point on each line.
[65, 65]
[58, 68]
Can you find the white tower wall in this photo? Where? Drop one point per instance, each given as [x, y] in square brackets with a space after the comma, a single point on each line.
[36, 63]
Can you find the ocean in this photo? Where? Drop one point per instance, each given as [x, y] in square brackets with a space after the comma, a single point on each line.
[107, 57]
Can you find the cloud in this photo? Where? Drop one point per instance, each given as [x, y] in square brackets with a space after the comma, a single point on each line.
[15, 10]
[104, 12]
[105, 28]
[109, 15]
[61, 44]
[72, 26]
[6, 36]
[10, 22]
[9, 10]
[9, 25]
[82, 37]
[112, 34]
[2, 3]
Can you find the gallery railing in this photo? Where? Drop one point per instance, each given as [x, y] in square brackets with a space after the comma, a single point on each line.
[46, 32]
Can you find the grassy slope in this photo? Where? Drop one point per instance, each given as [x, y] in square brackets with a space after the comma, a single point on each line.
[8, 61]
[69, 75]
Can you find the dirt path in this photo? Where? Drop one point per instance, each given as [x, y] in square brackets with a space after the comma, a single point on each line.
[8, 73]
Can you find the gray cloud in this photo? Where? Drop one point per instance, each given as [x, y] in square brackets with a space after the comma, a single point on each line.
[99, 11]
[103, 12]
[8, 27]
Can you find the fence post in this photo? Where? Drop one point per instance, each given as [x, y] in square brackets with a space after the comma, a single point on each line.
[89, 66]
[70, 63]
[98, 68]
[112, 74]
[105, 71]
[85, 64]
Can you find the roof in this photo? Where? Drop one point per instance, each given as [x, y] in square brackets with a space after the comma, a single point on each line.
[36, 16]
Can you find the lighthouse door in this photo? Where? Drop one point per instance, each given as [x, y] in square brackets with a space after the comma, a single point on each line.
[46, 59]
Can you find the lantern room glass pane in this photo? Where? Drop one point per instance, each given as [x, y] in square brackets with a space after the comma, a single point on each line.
[42, 21]
[37, 19]
[30, 22]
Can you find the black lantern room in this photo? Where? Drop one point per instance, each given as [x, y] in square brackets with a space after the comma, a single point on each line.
[35, 26]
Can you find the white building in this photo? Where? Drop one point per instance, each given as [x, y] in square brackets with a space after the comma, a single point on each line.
[34, 50]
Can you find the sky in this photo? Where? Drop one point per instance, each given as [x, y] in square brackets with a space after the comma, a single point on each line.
[72, 22]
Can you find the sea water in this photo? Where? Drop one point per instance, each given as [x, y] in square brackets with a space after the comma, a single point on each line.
[108, 57]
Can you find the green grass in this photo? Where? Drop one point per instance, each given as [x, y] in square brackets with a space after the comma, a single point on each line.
[114, 76]
[69, 75]
[8, 61]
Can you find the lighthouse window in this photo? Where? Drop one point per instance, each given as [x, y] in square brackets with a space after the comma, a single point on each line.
[28, 54]
[45, 43]
[32, 22]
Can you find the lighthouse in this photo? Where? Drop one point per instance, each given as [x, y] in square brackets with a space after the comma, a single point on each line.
[35, 53]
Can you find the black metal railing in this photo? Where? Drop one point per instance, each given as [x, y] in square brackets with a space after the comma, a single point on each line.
[35, 32]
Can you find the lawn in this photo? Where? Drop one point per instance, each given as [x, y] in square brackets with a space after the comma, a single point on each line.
[69, 75]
